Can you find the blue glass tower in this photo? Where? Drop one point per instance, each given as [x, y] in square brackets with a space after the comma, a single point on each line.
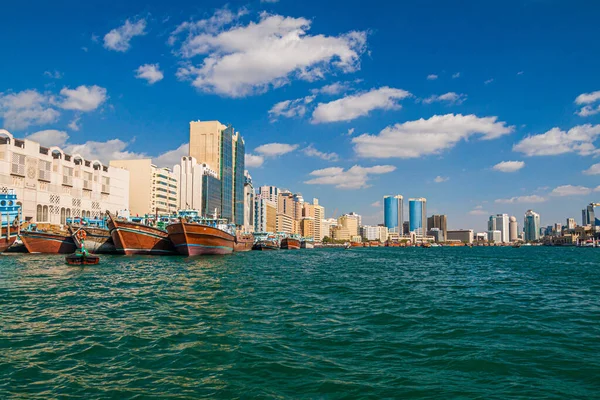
[417, 210]
[227, 173]
[393, 212]
[238, 195]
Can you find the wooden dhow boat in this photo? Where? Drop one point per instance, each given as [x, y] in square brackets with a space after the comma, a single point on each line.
[98, 239]
[137, 238]
[50, 239]
[10, 219]
[243, 241]
[290, 243]
[194, 235]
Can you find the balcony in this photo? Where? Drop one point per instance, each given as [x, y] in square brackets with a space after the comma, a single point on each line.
[67, 180]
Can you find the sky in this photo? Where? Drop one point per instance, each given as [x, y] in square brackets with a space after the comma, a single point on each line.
[482, 107]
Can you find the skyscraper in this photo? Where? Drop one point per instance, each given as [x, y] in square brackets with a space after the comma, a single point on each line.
[502, 226]
[417, 215]
[393, 212]
[513, 229]
[223, 150]
[571, 223]
[440, 222]
[268, 193]
[532, 226]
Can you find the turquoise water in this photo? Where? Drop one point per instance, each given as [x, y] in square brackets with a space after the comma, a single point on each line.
[363, 323]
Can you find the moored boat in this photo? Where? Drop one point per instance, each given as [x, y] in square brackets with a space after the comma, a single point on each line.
[307, 244]
[243, 241]
[9, 219]
[136, 238]
[267, 244]
[80, 258]
[98, 239]
[52, 241]
[290, 243]
[201, 238]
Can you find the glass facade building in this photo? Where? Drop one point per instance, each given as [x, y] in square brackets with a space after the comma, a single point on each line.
[532, 226]
[227, 173]
[417, 210]
[393, 212]
[239, 181]
[211, 195]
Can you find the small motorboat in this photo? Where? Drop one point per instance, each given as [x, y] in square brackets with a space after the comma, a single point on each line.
[81, 258]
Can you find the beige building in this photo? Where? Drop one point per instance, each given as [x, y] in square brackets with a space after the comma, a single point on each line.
[152, 189]
[189, 174]
[205, 143]
[285, 223]
[307, 227]
[340, 233]
[351, 223]
[52, 185]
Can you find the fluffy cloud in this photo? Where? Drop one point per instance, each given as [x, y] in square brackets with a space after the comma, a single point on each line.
[440, 179]
[456, 75]
[213, 24]
[332, 89]
[489, 81]
[118, 39]
[508, 166]
[353, 178]
[53, 74]
[82, 98]
[149, 72]
[290, 108]
[312, 152]
[23, 109]
[172, 157]
[50, 137]
[588, 98]
[350, 131]
[74, 124]
[593, 170]
[586, 111]
[534, 198]
[252, 160]
[478, 210]
[579, 139]
[376, 204]
[570, 190]
[450, 98]
[246, 60]
[432, 77]
[359, 105]
[275, 149]
[428, 136]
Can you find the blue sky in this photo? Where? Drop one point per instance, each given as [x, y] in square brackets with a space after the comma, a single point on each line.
[369, 100]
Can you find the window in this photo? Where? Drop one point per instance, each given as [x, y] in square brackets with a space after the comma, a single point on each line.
[105, 184]
[18, 164]
[63, 216]
[68, 176]
[39, 213]
[45, 213]
[45, 170]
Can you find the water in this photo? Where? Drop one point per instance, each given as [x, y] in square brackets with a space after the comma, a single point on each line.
[363, 323]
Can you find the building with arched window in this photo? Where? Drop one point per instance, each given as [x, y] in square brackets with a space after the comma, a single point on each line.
[52, 185]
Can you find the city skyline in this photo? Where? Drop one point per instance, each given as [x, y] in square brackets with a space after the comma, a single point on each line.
[124, 82]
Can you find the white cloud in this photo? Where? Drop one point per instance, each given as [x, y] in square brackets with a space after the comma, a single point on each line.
[172, 157]
[489, 81]
[508, 166]
[428, 136]
[113, 149]
[478, 210]
[247, 60]
[520, 73]
[118, 39]
[579, 139]
[53, 74]
[290, 108]
[275, 149]
[219, 19]
[312, 152]
[456, 75]
[332, 89]
[450, 97]
[359, 105]
[432, 77]
[74, 124]
[350, 131]
[440, 179]
[252, 160]
[353, 178]
[23, 109]
[269, 1]
[82, 98]
[586, 111]
[588, 98]
[376, 204]
[593, 170]
[49, 137]
[570, 190]
[149, 72]
[534, 198]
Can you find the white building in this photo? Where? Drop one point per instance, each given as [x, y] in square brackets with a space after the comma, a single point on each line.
[189, 174]
[269, 193]
[326, 225]
[53, 186]
[494, 236]
[500, 222]
[248, 203]
[532, 226]
[369, 232]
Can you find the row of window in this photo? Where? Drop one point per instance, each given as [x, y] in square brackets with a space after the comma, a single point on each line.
[43, 214]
